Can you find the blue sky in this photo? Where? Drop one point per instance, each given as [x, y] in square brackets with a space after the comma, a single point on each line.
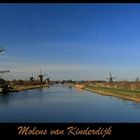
[70, 41]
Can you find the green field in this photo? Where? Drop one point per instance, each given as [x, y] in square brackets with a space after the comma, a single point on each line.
[123, 93]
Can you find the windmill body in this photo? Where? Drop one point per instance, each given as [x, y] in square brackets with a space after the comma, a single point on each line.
[111, 78]
[41, 76]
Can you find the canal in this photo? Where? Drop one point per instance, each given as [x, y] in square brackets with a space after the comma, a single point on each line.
[62, 103]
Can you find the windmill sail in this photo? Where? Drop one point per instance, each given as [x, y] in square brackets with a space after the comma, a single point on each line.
[111, 78]
[2, 50]
[2, 72]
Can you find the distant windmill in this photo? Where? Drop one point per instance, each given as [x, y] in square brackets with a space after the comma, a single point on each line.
[48, 80]
[2, 72]
[32, 78]
[2, 50]
[137, 80]
[111, 78]
[41, 76]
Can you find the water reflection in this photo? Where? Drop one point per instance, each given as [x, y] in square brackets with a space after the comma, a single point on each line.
[4, 100]
[136, 105]
[78, 89]
[40, 90]
[65, 103]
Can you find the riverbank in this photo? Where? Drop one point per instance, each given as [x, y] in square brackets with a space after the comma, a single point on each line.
[133, 95]
[18, 88]
[79, 86]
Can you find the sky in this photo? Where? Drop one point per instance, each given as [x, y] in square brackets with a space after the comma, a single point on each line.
[70, 41]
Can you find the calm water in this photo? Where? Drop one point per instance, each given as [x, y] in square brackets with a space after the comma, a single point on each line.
[60, 103]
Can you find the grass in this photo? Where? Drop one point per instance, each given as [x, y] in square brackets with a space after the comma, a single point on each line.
[25, 87]
[123, 93]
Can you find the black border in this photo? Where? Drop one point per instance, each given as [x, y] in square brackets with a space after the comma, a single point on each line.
[119, 130]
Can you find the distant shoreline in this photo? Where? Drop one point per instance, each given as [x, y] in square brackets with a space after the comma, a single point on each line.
[22, 87]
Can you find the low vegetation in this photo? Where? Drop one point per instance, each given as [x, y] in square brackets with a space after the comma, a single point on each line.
[19, 85]
[125, 90]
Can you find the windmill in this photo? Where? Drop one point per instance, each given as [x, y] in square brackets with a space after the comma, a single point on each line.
[2, 72]
[111, 78]
[2, 50]
[48, 80]
[41, 76]
[137, 80]
[32, 78]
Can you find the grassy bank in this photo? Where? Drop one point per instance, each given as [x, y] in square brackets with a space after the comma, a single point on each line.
[26, 87]
[133, 95]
